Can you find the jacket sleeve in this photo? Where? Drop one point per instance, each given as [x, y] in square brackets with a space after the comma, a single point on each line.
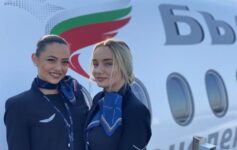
[16, 126]
[136, 129]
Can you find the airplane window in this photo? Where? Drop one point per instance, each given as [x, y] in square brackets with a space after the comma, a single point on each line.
[180, 99]
[216, 92]
[141, 93]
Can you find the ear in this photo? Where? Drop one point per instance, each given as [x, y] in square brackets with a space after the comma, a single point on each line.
[34, 59]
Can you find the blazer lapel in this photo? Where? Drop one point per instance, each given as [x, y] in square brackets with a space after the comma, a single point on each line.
[92, 111]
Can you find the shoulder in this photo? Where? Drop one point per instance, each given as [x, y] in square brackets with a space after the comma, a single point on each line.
[136, 116]
[23, 102]
[134, 107]
[18, 106]
[20, 99]
[132, 101]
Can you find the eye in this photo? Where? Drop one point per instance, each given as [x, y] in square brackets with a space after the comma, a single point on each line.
[108, 64]
[95, 64]
[51, 60]
[65, 62]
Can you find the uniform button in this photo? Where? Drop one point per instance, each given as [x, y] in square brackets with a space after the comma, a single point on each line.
[68, 144]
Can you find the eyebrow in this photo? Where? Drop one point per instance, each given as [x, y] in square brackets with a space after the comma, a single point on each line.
[107, 59]
[57, 57]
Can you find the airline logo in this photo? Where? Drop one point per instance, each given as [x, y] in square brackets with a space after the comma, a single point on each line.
[81, 26]
[82, 30]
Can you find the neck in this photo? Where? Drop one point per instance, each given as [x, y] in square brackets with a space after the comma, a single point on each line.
[48, 91]
[115, 88]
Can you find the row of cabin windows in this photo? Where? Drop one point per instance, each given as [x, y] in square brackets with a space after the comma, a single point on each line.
[180, 96]
[181, 100]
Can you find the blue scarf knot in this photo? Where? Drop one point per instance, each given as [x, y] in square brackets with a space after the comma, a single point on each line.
[110, 113]
[68, 87]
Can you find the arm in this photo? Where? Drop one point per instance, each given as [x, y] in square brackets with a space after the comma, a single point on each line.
[16, 125]
[136, 129]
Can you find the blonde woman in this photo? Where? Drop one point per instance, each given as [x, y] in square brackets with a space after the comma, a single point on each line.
[117, 119]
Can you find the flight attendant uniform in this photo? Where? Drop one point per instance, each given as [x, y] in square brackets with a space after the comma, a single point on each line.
[35, 121]
[122, 125]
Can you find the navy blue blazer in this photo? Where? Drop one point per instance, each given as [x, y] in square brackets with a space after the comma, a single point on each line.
[33, 124]
[136, 121]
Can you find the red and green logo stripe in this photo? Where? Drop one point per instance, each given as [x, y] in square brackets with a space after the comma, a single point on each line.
[83, 31]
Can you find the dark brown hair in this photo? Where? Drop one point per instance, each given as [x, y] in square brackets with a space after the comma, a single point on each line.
[49, 39]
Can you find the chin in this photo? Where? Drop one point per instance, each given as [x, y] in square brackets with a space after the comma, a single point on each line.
[102, 85]
[54, 81]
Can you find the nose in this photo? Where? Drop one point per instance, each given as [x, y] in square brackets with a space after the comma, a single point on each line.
[58, 66]
[99, 69]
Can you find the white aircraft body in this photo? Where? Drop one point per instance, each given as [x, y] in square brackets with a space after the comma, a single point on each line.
[184, 53]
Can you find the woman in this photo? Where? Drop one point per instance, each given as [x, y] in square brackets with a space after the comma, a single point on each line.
[117, 119]
[50, 115]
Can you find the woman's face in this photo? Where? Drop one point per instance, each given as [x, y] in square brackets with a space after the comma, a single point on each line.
[53, 62]
[105, 70]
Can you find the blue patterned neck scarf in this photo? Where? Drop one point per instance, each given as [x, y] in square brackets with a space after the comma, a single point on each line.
[110, 113]
[68, 87]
